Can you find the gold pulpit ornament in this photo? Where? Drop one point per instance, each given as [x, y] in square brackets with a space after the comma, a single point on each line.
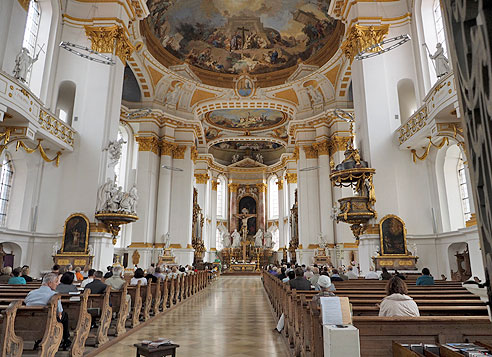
[353, 172]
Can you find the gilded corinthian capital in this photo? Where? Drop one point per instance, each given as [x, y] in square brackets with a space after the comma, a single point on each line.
[167, 148]
[201, 178]
[148, 143]
[106, 39]
[361, 37]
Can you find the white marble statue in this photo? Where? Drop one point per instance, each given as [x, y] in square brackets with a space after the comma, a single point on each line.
[167, 240]
[314, 95]
[268, 239]
[235, 158]
[236, 239]
[241, 191]
[441, 63]
[114, 150]
[23, 63]
[259, 238]
[90, 249]
[172, 96]
[322, 241]
[104, 195]
[56, 248]
[259, 158]
[226, 239]
[134, 198]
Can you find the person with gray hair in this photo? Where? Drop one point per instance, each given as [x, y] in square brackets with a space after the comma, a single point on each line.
[41, 297]
[116, 281]
[6, 275]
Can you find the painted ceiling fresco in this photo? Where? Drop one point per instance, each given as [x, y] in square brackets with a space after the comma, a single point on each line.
[234, 36]
[245, 119]
[247, 145]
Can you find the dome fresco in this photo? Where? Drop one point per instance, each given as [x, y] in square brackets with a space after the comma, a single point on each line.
[237, 36]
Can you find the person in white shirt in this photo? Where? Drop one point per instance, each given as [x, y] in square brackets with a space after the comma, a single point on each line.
[90, 278]
[351, 274]
[372, 275]
[397, 302]
[138, 276]
[158, 273]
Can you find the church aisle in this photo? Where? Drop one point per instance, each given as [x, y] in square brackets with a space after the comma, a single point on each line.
[231, 318]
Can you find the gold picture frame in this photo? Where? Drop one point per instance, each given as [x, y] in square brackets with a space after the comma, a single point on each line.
[393, 236]
[75, 235]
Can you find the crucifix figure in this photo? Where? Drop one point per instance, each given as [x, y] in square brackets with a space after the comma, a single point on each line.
[244, 222]
[243, 29]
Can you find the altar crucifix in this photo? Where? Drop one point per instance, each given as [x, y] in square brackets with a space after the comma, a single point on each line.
[244, 217]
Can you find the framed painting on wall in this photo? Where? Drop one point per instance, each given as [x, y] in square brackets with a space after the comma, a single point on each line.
[75, 235]
[393, 235]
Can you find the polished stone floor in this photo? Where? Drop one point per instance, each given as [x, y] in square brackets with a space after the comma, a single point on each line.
[230, 318]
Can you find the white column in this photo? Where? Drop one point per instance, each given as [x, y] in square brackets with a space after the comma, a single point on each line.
[182, 207]
[213, 216]
[281, 214]
[164, 195]
[325, 199]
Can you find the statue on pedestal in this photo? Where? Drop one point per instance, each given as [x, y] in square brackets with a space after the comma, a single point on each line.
[441, 63]
[314, 95]
[268, 240]
[226, 239]
[236, 239]
[259, 238]
[167, 240]
[23, 63]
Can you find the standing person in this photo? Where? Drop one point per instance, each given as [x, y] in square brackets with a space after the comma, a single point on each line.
[41, 297]
[16, 279]
[425, 279]
[397, 302]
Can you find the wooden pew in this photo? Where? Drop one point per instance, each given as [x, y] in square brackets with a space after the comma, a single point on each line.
[146, 293]
[101, 302]
[11, 345]
[136, 297]
[29, 322]
[119, 303]
[157, 296]
[80, 320]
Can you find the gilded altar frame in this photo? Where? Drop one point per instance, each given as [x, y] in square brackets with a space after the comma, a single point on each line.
[86, 235]
[381, 240]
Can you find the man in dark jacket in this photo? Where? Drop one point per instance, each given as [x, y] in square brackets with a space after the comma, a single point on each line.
[97, 286]
[282, 274]
[300, 282]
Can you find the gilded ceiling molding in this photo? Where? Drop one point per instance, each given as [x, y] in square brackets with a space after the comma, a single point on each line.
[262, 187]
[215, 183]
[167, 147]
[104, 39]
[295, 156]
[280, 184]
[361, 37]
[179, 152]
[291, 177]
[310, 151]
[24, 4]
[148, 143]
[233, 187]
[201, 179]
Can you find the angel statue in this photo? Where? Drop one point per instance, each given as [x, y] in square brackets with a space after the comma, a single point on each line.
[259, 238]
[56, 248]
[236, 239]
[226, 239]
[104, 195]
[268, 239]
[322, 241]
[314, 95]
[167, 240]
[114, 150]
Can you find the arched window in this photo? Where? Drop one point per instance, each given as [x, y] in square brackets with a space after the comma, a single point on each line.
[32, 28]
[273, 198]
[438, 23]
[464, 194]
[221, 197]
[6, 177]
[121, 166]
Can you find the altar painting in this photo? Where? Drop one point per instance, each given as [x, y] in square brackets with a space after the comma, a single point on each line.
[76, 234]
[392, 234]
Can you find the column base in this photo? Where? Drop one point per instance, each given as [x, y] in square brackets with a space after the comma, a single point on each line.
[103, 250]
[368, 245]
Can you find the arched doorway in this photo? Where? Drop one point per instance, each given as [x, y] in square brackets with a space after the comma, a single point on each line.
[248, 203]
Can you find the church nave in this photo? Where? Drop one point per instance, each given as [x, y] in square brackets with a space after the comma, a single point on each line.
[232, 317]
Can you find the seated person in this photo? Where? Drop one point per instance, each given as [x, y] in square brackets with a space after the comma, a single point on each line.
[158, 274]
[282, 274]
[6, 275]
[25, 273]
[16, 279]
[90, 278]
[385, 275]
[290, 276]
[139, 276]
[97, 286]
[335, 276]
[41, 297]
[66, 284]
[315, 277]
[300, 282]
[324, 283]
[78, 274]
[109, 272]
[372, 275]
[351, 273]
[55, 269]
[397, 302]
[150, 274]
[424, 279]
[116, 281]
